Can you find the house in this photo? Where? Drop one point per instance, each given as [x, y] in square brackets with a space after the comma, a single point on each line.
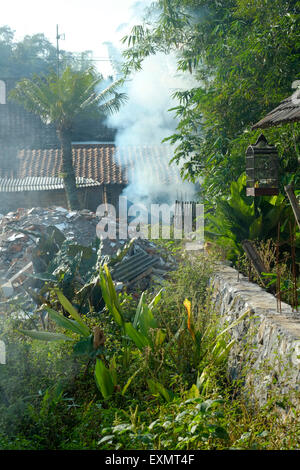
[102, 172]
[31, 163]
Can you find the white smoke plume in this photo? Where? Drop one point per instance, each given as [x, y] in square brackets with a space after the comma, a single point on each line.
[145, 120]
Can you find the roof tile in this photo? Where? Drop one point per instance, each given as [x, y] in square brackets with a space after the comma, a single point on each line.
[104, 163]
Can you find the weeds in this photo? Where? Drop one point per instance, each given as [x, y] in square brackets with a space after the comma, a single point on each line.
[160, 370]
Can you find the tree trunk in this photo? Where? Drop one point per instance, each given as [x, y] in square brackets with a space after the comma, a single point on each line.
[68, 170]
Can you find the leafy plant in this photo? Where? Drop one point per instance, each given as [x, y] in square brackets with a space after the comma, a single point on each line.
[144, 323]
[238, 217]
[140, 332]
[89, 344]
[211, 346]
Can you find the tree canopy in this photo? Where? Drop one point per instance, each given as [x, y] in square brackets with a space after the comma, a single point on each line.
[33, 55]
[245, 57]
[59, 100]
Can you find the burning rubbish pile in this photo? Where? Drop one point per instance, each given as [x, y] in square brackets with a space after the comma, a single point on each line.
[42, 249]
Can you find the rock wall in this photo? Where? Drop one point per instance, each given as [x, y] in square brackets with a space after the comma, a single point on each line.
[266, 355]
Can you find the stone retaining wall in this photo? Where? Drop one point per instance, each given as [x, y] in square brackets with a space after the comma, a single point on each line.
[266, 355]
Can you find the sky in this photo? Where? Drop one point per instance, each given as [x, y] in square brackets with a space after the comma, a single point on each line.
[86, 24]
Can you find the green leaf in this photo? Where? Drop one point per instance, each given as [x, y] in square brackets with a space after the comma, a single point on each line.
[144, 319]
[158, 389]
[156, 300]
[113, 369]
[138, 310]
[224, 352]
[193, 392]
[111, 287]
[129, 382]
[147, 321]
[160, 337]
[72, 311]
[42, 277]
[109, 296]
[64, 322]
[255, 228]
[85, 346]
[103, 379]
[45, 335]
[233, 324]
[106, 438]
[140, 340]
[220, 433]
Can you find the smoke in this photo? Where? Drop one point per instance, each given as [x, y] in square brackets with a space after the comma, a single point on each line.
[145, 120]
[116, 58]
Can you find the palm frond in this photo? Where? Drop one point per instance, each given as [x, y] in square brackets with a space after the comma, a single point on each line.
[59, 100]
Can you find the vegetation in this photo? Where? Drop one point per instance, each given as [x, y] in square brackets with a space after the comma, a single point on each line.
[167, 367]
[59, 100]
[90, 368]
[244, 56]
[237, 218]
[35, 55]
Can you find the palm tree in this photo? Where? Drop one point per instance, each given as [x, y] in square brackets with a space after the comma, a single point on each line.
[59, 100]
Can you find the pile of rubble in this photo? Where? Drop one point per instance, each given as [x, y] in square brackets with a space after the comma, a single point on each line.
[20, 232]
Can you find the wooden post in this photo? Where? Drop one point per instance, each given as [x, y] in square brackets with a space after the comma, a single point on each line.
[255, 259]
[294, 203]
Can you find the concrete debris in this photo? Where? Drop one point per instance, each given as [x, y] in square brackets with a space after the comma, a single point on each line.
[136, 267]
[16, 247]
[19, 276]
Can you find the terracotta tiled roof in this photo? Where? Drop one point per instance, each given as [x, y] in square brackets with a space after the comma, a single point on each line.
[104, 163]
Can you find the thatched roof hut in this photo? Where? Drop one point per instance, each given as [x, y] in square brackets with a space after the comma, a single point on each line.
[287, 111]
